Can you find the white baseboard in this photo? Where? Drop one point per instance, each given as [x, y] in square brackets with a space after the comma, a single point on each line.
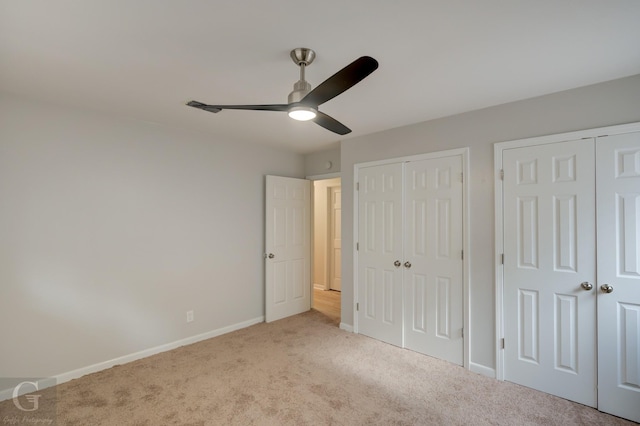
[346, 327]
[70, 375]
[481, 369]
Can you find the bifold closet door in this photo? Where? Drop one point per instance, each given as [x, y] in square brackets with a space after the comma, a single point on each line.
[553, 300]
[433, 258]
[410, 283]
[549, 269]
[380, 252]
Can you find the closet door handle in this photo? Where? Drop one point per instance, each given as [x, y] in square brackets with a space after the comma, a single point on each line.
[407, 264]
[606, 288]
[397, 263]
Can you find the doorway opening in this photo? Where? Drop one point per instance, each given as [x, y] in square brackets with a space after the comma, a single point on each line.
[327, 247]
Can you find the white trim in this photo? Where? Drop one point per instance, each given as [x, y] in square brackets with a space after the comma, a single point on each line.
[325, 266]
[417, 157]
[570, 136]
[482, 369]
[356, 169]
[498, 150]
[327, 238]
[329, 258]
[497, 259]
[70, 375]
[466, 261]
[325, 176]
[466, 233]
[346, 327]
[312, 243]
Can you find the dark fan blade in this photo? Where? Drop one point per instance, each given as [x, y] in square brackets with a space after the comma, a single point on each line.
[344, 79]
[331, 123]
[218, 108]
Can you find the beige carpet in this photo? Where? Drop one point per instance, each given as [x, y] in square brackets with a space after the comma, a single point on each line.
[302, 371]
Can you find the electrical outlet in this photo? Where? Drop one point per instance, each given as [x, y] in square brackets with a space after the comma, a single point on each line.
[189, 316]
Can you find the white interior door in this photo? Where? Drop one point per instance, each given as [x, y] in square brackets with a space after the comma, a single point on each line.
[380, 245]
[335, 238]
[618, 194]
[433, 258]
[549, 250]
[288, 248]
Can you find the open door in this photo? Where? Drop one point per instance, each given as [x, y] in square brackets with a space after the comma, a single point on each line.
[288, 248]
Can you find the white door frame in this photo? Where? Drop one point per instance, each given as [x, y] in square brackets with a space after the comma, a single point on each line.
[331, 263]
[464, 154]
[313, 178]
[498, 149]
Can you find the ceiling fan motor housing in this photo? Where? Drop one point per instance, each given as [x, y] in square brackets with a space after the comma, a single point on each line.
[300, 90]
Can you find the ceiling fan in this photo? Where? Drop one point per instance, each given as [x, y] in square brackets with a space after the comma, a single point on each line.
[304, 102]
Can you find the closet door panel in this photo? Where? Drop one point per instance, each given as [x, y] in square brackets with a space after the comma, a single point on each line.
[618, 207]
[433, 258]
[380, 245]
[549, 251]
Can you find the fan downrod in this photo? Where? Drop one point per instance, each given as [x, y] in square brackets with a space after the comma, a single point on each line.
[302, 57]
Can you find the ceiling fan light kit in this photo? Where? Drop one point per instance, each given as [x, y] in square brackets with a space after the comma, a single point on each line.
[303, 102]
[302, 113]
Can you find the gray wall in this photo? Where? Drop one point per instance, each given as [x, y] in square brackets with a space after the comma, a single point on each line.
[610, 103]
[111, 229]
[315, 163]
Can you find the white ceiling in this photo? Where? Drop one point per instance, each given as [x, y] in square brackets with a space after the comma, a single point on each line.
[145, 58]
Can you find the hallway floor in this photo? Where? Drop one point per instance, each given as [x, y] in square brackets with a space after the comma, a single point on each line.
[328, 303]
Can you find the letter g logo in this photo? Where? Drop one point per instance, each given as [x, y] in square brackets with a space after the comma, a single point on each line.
[33, 399]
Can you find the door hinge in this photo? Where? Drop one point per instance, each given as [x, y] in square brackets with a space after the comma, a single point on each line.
[462, 254]
[501, 174]
[463, 332]
[357, 246]
[357, 186]
[502, 343]
[357, 307]
[462, 177]
[502, 259]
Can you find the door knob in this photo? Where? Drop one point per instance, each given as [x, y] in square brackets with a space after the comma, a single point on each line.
[586, 285]
[271, 255]
[397, 263]
[606, 288]
[407, 264]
